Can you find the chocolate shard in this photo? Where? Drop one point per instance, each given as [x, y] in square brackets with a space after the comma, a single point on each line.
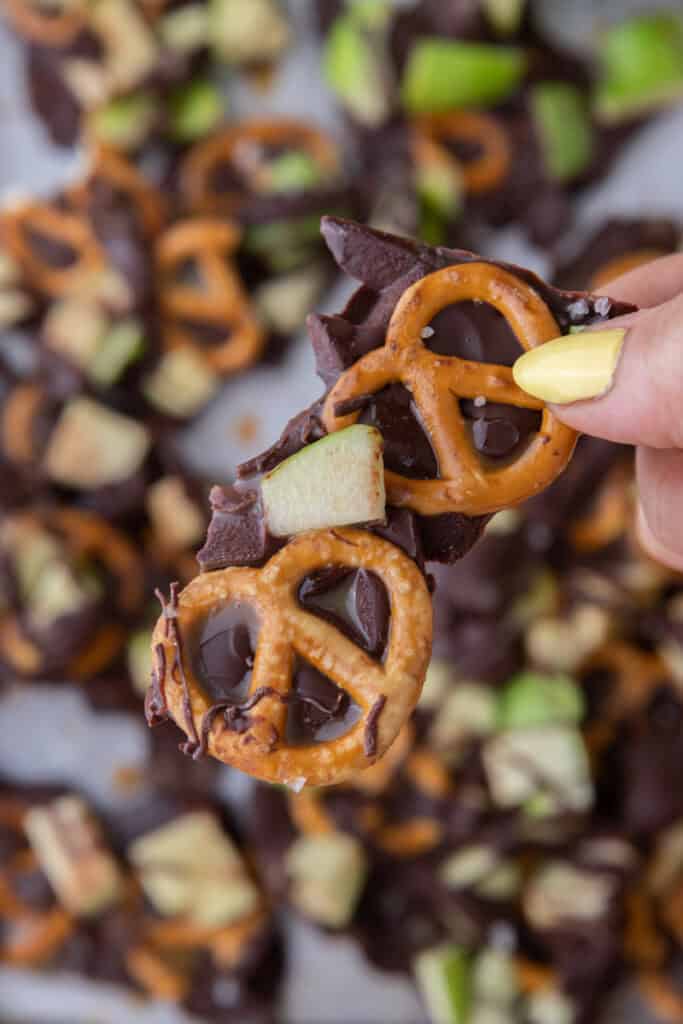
[237, 534]
[301, 430]
[337, 344]
[371, 256]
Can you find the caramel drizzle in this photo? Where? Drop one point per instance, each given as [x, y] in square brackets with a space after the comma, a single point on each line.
[371, 726]
[169, 611]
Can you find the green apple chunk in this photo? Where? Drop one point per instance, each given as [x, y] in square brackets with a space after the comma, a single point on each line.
[337, 481]
[443, 976]
[326, 875]
[505, 16]
[247, 31]
[125, 122]
[194, 110]
[531, 698]
[355, 63]
[642, 66]
[442, 74]
[563, 129]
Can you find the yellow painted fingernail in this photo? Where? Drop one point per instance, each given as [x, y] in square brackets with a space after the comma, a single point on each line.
[570, 368]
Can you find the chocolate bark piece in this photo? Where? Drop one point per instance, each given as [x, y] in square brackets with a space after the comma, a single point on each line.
[386, 266]
[618, 239]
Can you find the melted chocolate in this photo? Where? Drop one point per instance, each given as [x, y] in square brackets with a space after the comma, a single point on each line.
[386, 266]
[237, 533]
[355, 601]
[406, 446]
[318, 709]
[222, 652]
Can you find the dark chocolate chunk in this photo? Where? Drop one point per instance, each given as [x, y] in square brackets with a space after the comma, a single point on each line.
[356, 602]
[318, 709]
[222, 652]
[237, 533]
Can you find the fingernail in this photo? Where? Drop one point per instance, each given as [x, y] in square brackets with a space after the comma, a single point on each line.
[571, 368]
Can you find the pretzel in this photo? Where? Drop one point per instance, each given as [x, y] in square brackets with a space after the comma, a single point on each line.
[21, 407]
[663, 999]
[638, 675]
[609, 517]
[110, 167]
[466, 483]
[156, 963]
[219, 300]
[30, 936]
[85, 536]
[48, 27]
[63, 227]
[241, 148]
[250, 736]
[623, 264]
[486, 171]
[409, 838]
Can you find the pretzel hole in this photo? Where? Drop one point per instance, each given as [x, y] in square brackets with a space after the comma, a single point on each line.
[225, 179]
[407, 449]
[318, 709]
[474, 331]
[55, 252]
[206, 333]
[355, 601]
[188, 272]
[499, 432]
[222, 649]
[33, 889]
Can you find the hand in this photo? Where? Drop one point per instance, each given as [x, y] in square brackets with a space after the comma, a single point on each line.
[625, 383]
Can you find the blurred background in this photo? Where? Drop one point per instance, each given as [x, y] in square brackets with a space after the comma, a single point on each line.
[163, 168]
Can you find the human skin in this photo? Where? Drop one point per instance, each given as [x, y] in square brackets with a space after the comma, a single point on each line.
[637, 395]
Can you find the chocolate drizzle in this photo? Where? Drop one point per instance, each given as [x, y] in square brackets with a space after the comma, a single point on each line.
[371, 726]
[156, 706]
[237, 717]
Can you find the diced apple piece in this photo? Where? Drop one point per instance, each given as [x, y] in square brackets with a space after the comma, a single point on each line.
[190, 867]
[532, 699]
[443, 976]
[69, 846]
[337, 481]
[445, 73]
[247, 31]
[545, 767]
[327, 874]
[92, 446]
[563, 128]
[181, 384]
[176, 519]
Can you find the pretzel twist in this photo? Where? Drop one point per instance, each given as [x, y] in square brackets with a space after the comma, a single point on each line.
[489, 167]
[63, 227]
[385, 692]
[240, 147]
[85, 536]
[110, 167]
[466, 484]
[31, 936]
[219, 299]
[50, 28]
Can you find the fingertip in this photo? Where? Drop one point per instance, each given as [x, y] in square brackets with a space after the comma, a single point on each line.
[652, 546]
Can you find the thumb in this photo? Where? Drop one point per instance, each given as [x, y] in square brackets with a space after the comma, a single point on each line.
[623, 383]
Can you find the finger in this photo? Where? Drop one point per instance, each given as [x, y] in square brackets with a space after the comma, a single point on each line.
[660, 515]
[632, 372]
[649, 285]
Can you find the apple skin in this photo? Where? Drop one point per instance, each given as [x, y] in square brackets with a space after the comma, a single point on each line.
[337, 481]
